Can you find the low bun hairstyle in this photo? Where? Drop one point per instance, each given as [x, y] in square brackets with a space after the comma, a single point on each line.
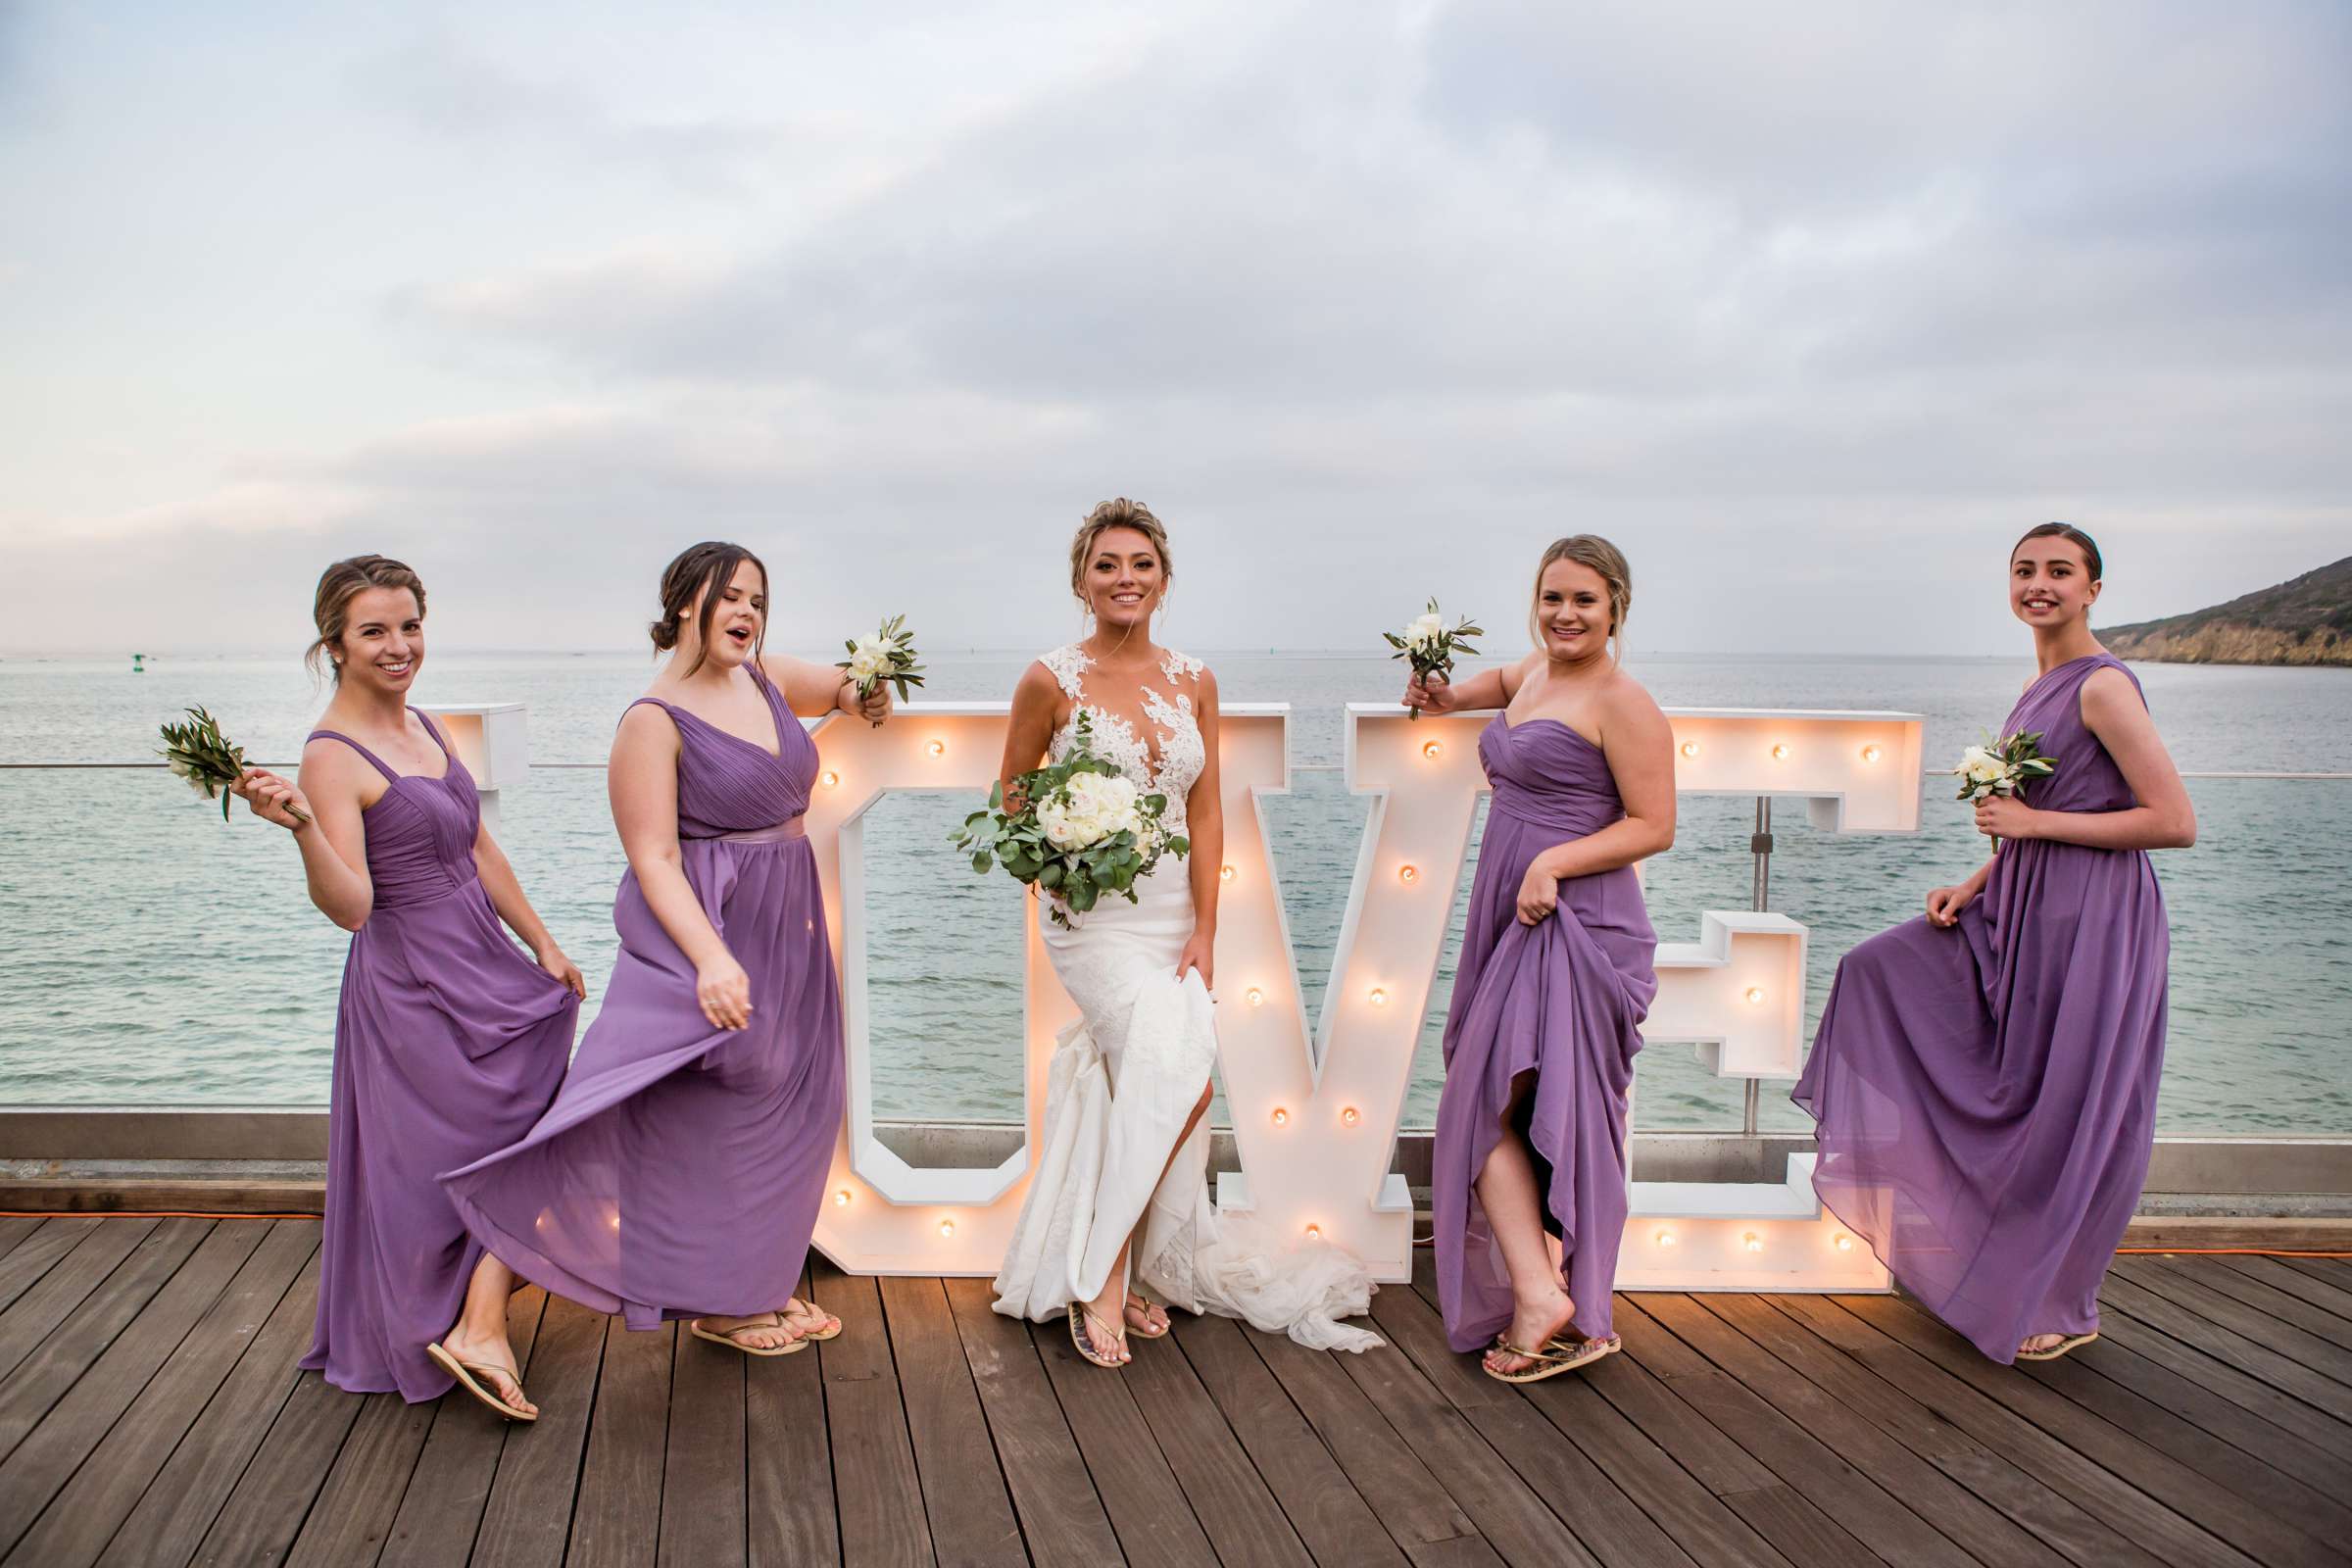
[705, 569]
[2067, 531]
[1589, 550]
[1119, 513]
[338, 586]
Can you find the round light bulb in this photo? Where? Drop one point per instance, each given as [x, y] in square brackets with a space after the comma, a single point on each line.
[1314, 1232]
[1253, 995]
[1380, 998]
[1225, 873]
[1665, 1238]
[1845, 1243]
[1282, 1117]
[1752, 1241]
[830, 779]
[841, 1199]
[1433, 751]
[1780, 753]
[947, 1227]
[1406, 873]
[1690, 748]
[1349, 1117]
[937, 747]
[1871, 753]
[1755, 996]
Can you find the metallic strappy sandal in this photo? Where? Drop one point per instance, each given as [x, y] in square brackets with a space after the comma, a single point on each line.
[1141, 1304]
[790, 1346]
[1079, 1318]
[1556, 1358]
[2072, 1342]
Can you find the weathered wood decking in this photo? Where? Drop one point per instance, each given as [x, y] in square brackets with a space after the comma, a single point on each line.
[150, 1415]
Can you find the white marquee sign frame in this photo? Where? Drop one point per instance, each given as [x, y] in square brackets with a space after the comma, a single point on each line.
[1315, 1114]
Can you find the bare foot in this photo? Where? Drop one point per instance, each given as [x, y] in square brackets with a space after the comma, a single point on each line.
[1146, 1317]
[1102, 1312]
[805, 1318]
[2040, 1342]
[1535, 1323]
[490, 1360]
[762, 1331]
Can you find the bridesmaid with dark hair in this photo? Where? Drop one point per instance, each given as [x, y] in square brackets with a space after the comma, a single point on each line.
[1985, 1077]
[449, 1040]
[678, 1173]
[1528, 1176]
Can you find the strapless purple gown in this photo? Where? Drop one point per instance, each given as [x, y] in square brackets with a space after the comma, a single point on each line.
[1986, 1094]
[680, 1170]
[1563, 999]
[449, 1042]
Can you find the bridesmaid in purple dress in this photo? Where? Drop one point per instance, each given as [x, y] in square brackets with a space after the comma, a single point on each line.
[1986, 1076]
[678, 1173]
[1554, 979]
[448, 1041]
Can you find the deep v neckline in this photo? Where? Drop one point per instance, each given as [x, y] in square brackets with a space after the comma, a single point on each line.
[775, 720]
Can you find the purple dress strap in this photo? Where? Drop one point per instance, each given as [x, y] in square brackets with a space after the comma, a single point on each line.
[338, 735]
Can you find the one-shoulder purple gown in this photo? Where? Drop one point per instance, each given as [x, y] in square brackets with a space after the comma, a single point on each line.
[1562, 998]
[449, 1042]
[679, 1171]
[1986, 1093]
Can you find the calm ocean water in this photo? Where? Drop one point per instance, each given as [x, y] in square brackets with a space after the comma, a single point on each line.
[153, 955]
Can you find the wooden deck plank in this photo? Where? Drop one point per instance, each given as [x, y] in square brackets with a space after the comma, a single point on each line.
[186, 1495]
[2043, 1514]
[50, 1371]
[1148, 1510]
[1331, 1520]
[702, 1470]
[58, 1289]
[616, 1516]
[1504, 1510]
[2216, 1274]
[964, 1495]
[2275, 1273]
[14, 1228]
[881, 1516]
[2121, 1326]
[348, 1524]
[2193, 1329]
[529, 1517]
[443, 1506]
[1594, 1502]
[266, 1508]
[1412, 1502]
[1062, 1520]
[109, 1434]
[2336, 1271]
[789, 1465]
[2331, 1361]
[2129, 1513]
[2229, 1517]
[1237, 1510]
[39, 1250]
[1875, 1489]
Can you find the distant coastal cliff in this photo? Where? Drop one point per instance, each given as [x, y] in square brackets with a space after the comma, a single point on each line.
[2307, 620]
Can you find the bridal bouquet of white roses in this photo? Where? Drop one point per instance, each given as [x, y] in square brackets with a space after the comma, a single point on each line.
[887, 655]
[2002, 767]
[1077, 829]
[1430, 645]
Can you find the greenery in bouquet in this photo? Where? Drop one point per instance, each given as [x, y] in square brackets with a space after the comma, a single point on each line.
[1075, 829]
[208, 760]
[1431, 646]
[887, 655]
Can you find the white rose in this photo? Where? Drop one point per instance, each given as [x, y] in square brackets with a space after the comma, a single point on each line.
[1063, 828]
[869, 659]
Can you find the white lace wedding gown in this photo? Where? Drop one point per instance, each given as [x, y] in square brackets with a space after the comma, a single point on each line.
[1125, 1077]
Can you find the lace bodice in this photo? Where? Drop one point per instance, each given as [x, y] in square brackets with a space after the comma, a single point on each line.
[1182, 756]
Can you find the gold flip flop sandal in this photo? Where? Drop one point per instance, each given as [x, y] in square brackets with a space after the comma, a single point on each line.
[809, 1310]
[1078, 1336]
[694, 1326]
[1140, 1304]
[463, 1372]
[1556, 1358]
[2073, 1342]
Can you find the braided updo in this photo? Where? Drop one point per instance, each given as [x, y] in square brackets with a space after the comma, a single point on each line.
[703, 569]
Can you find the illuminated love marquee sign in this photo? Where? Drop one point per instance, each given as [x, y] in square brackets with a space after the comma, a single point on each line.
[1316, 1110]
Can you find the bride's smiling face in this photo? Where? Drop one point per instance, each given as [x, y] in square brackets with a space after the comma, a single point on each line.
[1125, 579]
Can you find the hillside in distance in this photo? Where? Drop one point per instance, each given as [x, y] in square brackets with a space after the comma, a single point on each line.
[2304, 620]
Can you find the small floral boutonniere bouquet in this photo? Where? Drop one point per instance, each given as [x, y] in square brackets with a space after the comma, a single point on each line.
[2002, 767]
[1431, 645]
[1082, 829]
[206, 758]
[887, 655]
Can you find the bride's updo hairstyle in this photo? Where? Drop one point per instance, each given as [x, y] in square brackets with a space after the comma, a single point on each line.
[705, 569]
[2073, 536]
[341, 583]
[1592, 551]
[1119, 513]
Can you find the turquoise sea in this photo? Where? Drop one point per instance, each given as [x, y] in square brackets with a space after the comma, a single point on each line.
[152, 956]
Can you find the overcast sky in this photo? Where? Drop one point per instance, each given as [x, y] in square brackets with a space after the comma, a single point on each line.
[1812, 309]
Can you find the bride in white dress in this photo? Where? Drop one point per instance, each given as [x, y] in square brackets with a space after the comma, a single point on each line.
[1119, 1193]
